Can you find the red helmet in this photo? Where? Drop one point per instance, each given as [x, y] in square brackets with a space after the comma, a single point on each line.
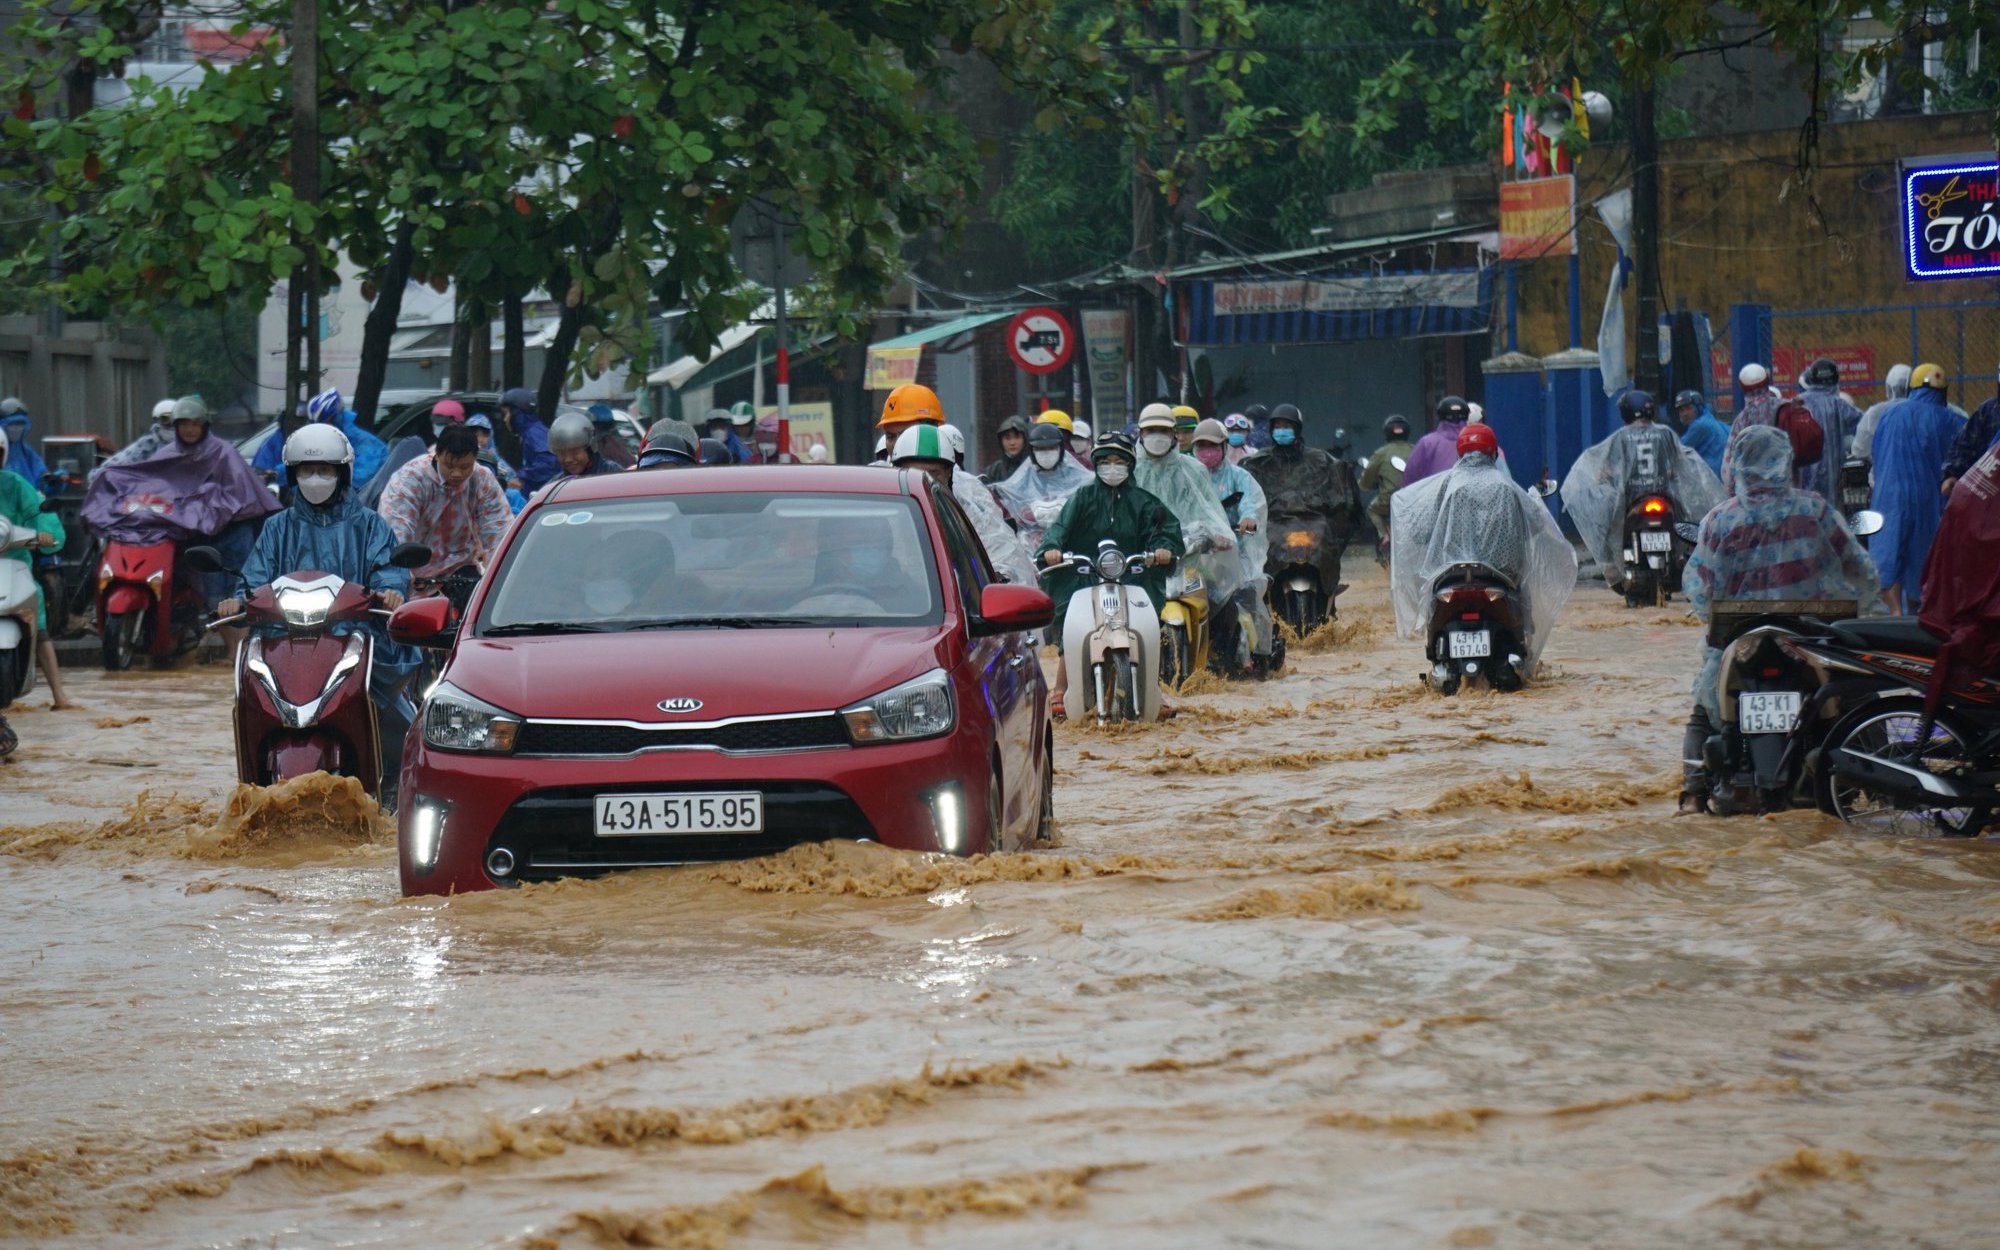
[1478, 437]
[449, 411]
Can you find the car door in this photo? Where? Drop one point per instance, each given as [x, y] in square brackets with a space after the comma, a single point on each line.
[1002, 663]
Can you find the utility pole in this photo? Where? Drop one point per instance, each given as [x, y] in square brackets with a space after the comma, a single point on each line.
[1646, 238]
[302, 305]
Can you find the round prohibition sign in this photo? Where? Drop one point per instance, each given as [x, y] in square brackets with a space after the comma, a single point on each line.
[1040, 340]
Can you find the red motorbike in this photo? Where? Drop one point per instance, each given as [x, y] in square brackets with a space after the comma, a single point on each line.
[147, 603]
[302, 696]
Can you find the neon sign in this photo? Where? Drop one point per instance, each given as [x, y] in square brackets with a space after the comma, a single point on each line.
[1951, 220]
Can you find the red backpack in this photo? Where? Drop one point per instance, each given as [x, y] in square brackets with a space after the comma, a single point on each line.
[1797, 423]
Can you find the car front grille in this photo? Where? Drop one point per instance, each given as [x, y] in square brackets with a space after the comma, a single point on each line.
[788, 733]
[551, 834]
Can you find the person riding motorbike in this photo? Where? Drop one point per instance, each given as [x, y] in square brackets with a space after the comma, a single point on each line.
[21, 504]
[1013, 441]
[327, 408]
[327, 530]
[1702, 430]
[157, 435]
[1438, 450]
[1382, 476]
[1768, 540]
[768, 450]
[1237, 427]
[1080, 443]
[21, 457]
[1042, 485]
[1895, 386]
[1641, 457]
[1760, 398]
[1838, 418]
[1183, 485]
[715, 424]
[1259, 417]
[538, 463]
[743, 429]
[604, 422]
[1912, 443]
[1473, 513]
[1303, 483]
[1249, 514]
[911, 404]
[1109, 506]
[1186, 419]
[574, 441]
[670, 444]
[1961, 582]
[447, 503]
[1976, 437]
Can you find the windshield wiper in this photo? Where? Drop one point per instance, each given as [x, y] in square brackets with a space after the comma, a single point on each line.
[716, 622]
[520, 628]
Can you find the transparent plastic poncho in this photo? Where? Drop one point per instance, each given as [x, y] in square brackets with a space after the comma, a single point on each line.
[1181, 483]
[1475, 514]
[1602, 482]
[1033, 497]
[1003, 547]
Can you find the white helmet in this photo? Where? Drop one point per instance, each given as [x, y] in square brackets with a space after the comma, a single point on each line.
[1476, 414]
[1752, 375]
[817, 455]
[1080, 429]
[319, 444]
[164, 410]
[190, 408]
[1156, 417]
[954, 442]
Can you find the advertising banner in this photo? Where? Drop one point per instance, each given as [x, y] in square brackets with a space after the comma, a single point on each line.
[1951, 220]
[1538, 217]
[812, 425]
[1104, 346]
[891, 367]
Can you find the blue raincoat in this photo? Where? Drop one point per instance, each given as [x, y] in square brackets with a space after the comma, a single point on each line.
[538, 463]
[21, 457]
[1709, 437]
[1911, 443]
[369, 452]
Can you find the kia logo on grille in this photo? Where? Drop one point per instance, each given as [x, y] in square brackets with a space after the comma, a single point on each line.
[682, 704]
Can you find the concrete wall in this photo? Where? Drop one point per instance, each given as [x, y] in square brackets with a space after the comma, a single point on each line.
[91, 379]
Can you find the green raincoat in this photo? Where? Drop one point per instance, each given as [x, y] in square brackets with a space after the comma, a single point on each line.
[1130, 516]
[21, 503]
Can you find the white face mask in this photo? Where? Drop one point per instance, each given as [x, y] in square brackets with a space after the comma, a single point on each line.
[318, 487]
[1048, 458]
[1157, 444]
[769, 449]
[1113, 472]
[607, 596]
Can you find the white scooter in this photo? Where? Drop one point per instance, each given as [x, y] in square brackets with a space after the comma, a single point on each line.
[17, 614]
[1111, 636]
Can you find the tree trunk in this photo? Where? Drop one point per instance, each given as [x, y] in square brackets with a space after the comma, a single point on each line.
[479, 352]
[461, 343]
[513, 363]
[1646, 239]
[379, 331]
[555, 362]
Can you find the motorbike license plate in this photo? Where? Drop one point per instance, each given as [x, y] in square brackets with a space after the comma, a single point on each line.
[671, 815]
[1656, 540]
[1768, 712]
[1470, 644]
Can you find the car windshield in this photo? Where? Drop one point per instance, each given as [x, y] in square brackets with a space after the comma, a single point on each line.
[739, 560]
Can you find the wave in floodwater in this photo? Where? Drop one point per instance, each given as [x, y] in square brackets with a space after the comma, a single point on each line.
[312, 817]
[1329, 899]
[868, 870]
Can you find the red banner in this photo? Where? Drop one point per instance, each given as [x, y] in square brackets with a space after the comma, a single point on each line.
[1537, 218]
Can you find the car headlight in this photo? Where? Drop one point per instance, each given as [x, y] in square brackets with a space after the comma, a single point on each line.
[919, 708]
[455, 721]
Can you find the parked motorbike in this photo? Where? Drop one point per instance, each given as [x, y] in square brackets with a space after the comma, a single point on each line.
[1855, 489]
[148, 603]
[17, 613]
[1184, 627]
[302, 698]
[1111, 636]
[1304, 566]
[1652, 552]
[1477, 631]
[64, 574]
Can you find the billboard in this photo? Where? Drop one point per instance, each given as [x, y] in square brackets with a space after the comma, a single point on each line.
[1951, 220]
[1538, 217]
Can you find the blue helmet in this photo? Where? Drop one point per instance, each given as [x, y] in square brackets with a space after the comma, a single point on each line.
[520, 399]
[601, 414]
[324, 406]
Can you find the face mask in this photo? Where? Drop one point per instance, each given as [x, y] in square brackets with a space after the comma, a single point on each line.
[1113, 473]
[1157, 444]
[769, 449]
[1048, 459]
[318, 487]
[1284, 435]
[1238, 438]
[607, 596]
[1081, 446]
[1208, 453]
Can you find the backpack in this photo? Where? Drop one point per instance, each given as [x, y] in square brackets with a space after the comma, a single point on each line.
[1797, 423]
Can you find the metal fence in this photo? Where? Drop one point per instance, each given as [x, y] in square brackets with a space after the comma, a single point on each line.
[1962, 338]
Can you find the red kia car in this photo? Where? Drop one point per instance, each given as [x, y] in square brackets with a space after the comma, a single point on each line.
[679, 665]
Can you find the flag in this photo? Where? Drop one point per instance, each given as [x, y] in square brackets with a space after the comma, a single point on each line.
[1506, 126]
[1577, 116]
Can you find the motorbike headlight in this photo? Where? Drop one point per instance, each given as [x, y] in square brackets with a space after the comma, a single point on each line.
[305, 608]
[919, 708]
[1110, 563]
[455, 721]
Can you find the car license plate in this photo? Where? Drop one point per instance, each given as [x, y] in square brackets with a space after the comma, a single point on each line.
[671, 815]
[1468, 644]
[1656, 540]
[1768, 712]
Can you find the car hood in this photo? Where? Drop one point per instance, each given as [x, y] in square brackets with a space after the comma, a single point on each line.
[733, 672]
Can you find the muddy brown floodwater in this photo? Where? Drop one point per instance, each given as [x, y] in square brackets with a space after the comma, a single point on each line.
[1325, 962]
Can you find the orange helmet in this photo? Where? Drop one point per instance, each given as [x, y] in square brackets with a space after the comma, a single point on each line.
[1478, 438]
[910, 402]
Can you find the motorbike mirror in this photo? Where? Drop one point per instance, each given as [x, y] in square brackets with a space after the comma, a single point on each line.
[1866, 523]
[1398, 463]
[428, 622]
[410, 556]
[203, 559]
[1688, 531]
[1545, 488]
[1005, 609]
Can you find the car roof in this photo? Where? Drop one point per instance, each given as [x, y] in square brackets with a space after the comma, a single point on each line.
[715, 480]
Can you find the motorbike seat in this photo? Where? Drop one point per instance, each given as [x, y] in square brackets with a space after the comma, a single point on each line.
[1459, 574]
[1896, 633]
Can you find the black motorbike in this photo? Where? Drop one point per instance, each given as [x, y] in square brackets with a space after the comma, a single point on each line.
[68, 575]
[1776, 704]
[1652, 549]
[1477, 629]
[1304, 567]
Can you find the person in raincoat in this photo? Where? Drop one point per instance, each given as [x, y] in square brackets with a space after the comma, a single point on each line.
[1895, 387]
[1640, 458]
[445, 501]
[1013, 440]
[21, 458]
[1184, 487]
[911, 404]
[1438, 450]
[573, 440]
[1980, 434]
[1760, 399]
[1473, 513]
[1769, 540]
[1305, 488]
[1911, 443]
[157, 435]
[1701, 429]
[610, 446]
[21, 504]
[1838, 420]
[1037, 491]
[326, 529]
[1237, 426]
[1382, 476]
[1249, 514]
[328, 408]
[538, 463]
[1111, 506]
[1962, 580]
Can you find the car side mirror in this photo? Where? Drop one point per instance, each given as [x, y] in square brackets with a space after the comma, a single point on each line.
[410, 556]
[203, 559]
[1866, 523]
[1007, 609]
[430, 622]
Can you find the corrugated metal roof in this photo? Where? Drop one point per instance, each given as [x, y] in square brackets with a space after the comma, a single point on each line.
[931, 334]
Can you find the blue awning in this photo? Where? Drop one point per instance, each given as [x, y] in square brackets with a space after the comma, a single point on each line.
[1337, 308]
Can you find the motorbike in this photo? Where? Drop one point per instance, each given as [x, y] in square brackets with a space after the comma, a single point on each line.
[1111, 635]
[64, 573]
[1855, 488]
[1776, 704]
[1304, 563]
[17, 613]
[1652, 550]
[148, 603]
[1477, 629]
[1184, 627]
[302, 697]
[456, 588]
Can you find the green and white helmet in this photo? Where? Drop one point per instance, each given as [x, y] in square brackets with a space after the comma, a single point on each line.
[922, 442]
